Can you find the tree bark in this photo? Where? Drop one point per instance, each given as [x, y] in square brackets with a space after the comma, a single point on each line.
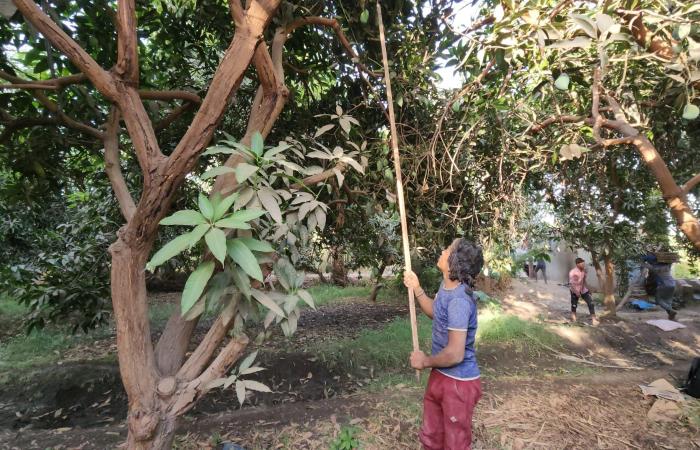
[609, 288]
[377, 283]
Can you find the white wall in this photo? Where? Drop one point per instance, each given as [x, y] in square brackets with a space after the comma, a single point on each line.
[564, 259]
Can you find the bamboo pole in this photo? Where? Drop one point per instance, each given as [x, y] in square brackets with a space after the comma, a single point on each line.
[399, 182]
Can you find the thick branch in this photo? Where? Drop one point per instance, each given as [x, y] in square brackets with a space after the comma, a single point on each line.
[237, 12]
[690, 184]
[224, 360]
[170, 95]
[173, 116]
[26, 86]
[645, 38]
[113, 169]
[536, 128]
[595, 107]
[269, 101]
[102, 80]
[127, 45]
[52, 84]
[13, 125]
[199, 359]
[619, 141]
[142, 133]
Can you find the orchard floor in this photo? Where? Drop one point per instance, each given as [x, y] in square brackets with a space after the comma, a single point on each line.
[580, 393]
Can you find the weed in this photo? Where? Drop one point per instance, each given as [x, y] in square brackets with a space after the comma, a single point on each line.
[346, 440]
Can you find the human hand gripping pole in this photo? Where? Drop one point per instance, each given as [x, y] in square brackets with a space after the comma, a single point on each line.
[399, 182]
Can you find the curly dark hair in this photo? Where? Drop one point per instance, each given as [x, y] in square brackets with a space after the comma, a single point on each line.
[465, 262]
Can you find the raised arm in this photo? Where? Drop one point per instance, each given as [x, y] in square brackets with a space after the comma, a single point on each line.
[410, 280]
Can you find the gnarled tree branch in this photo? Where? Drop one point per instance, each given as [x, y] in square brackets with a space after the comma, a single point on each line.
[113, 169]
[690, 184]
[102, 80]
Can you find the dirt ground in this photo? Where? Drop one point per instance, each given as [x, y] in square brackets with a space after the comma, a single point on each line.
[583, 395]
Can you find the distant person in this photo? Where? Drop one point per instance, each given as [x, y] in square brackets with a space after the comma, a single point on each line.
[579, 290]
[454, 387]
[661, 284]
[541, 266]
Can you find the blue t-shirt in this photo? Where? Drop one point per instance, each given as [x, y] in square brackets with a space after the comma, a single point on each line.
[454, 309]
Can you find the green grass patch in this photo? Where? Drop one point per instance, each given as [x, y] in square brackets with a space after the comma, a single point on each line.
[498, 327]
[324, 294]
[10, 309]
[387, 348]
[38, 347]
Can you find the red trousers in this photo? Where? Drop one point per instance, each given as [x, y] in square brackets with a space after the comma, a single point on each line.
[448, 407]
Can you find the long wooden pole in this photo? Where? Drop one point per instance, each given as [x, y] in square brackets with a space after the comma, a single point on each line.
[399, 181]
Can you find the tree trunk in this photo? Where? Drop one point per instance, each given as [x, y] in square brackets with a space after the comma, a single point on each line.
[339, 274]
[136, 359]
[377, 283]
[606, 281]
[609, 287]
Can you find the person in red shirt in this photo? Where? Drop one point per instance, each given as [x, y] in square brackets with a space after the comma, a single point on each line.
[579, 290]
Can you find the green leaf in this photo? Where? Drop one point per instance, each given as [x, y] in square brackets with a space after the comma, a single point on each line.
[195, 285]
[246, 215]
[241, 281]
[364, 17]
[184, 217]
[321, 131]
[223, 206]
[257, 144]
[683, 31]
[304, 295]
[172, 248]
[244, 171]
[256, 245]
[242, 256]
[216, 171]
[205, 207]
[269, 201]
[248, 361]
[232, 223]
[240, 391]
[197, 233]
[216, 241]
[219, 149]
[267, 302]
[256, 386]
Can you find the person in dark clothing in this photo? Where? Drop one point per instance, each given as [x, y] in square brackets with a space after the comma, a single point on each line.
[661, 284]
[541, 266]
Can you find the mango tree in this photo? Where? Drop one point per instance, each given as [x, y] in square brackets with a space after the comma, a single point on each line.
[258, 191]
[623, 73]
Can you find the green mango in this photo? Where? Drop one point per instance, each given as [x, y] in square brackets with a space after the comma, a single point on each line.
[691, 112]
[562, 82]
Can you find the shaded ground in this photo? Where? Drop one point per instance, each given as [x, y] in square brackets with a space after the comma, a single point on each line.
[533, 397]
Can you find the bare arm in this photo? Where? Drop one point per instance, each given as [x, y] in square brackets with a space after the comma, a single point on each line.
[451, 355]
[426, 303]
